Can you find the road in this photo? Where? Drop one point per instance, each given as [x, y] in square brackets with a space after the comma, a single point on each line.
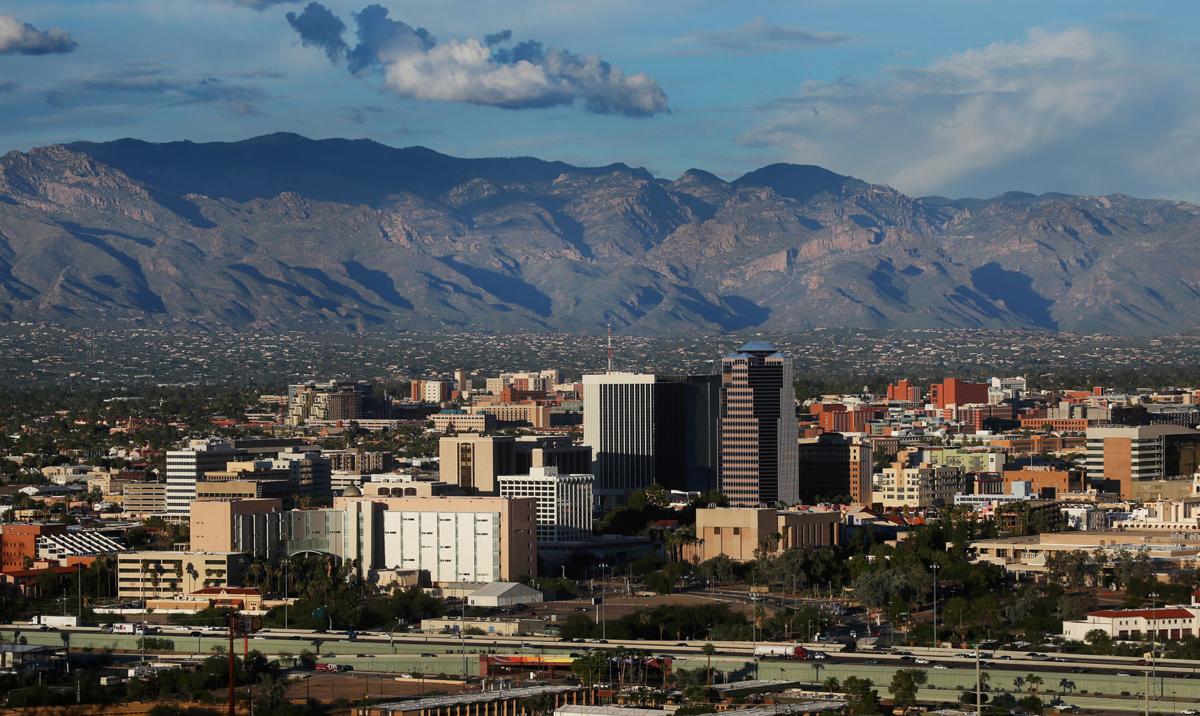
[1081, 679]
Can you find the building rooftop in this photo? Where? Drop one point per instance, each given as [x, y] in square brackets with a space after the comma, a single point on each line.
[500, 589]
[477, 697]
[1151, 614]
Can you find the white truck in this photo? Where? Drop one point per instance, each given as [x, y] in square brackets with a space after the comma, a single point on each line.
[126, 628]
[782, 651]
[54, 622]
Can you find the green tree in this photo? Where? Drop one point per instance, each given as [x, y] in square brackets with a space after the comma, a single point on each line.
[861, 698]
[904, 686]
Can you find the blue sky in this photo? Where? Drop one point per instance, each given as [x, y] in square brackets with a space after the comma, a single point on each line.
[954, 97]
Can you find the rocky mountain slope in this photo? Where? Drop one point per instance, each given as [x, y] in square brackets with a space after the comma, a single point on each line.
[285, 232]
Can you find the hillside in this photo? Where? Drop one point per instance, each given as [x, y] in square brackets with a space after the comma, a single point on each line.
[285, 232]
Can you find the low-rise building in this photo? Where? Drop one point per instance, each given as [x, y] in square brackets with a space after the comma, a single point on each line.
[738, 532]
[504, 594]
[144, 499]
[156, 574]
[1165, 624]
[507, 626]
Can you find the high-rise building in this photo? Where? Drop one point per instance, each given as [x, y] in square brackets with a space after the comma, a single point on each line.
[953, 391]
[187, 466]
[833, 466]
[473, 461]
[332, 400]
[645, 429]
[1146, 462]
[758, 433]
[564, 502]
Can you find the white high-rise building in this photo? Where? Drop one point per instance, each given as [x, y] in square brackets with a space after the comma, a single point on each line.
[618, 425]
[185, 467]
[564, 502]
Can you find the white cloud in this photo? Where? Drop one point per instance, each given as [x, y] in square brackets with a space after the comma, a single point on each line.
[21, 38]
[492, 71]
[1052, 111]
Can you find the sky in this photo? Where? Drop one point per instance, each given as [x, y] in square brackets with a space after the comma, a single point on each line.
[948, 97]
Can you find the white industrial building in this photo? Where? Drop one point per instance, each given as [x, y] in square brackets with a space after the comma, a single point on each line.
[503, 594]
[451, 546]
[564, 502]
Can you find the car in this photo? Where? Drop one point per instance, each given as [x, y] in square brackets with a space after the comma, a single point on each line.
[427, 655]
[921, 661]
[940, 666]
[681, 643]
[403, 676]
[1190, 712]
[871, 661]
[195, 633]
[1123, 673]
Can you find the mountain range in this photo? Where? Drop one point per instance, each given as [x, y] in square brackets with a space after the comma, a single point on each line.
[281, 232]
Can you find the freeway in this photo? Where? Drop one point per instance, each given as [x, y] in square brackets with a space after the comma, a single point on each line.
[293, 640]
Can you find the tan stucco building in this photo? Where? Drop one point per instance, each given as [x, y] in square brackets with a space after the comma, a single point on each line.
[211, 522]
[737, 532]
[156, 574]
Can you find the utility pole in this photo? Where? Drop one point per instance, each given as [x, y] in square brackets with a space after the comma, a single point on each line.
[285, 592]
[935, 571]
[1153, 623]
[232, 693]
[978, 684]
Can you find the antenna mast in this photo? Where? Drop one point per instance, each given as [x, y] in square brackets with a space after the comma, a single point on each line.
[610, 346]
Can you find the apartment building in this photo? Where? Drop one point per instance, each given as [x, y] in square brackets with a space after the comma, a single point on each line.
[564, 502]
[910, 483]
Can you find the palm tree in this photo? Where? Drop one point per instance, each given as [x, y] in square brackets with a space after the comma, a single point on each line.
[1019, 683]
[708, 650]
[192, 575]
[1034, 681]
[1066, 685]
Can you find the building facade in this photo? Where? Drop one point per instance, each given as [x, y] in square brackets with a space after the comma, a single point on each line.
[156, 574]
[1144, 462]
[462, 539]
[758, 432]
[473, 461]
[564, 502]
[186, 467]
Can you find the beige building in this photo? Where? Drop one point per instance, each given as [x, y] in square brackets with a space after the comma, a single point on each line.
[143, 499]
[1146, 462]
[1030, 555]
[738, 532]
[535, 413]
[908, 483]
[157, 574]
[211, 522]
[462, 422]
[473, 461]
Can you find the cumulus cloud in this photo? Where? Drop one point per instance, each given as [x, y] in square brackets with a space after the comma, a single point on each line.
[758, 36]
[319, 27]
[490, 71]
[1054, 110]
[21, 38]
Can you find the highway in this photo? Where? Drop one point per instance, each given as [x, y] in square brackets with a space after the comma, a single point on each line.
[949, 671]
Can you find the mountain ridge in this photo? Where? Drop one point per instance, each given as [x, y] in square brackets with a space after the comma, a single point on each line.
[281, 231]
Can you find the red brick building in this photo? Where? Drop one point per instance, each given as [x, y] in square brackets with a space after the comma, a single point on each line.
[953, 391]
[903, 391]
[18, 542]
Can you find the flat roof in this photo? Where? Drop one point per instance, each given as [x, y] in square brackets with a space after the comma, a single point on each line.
[476, 697]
